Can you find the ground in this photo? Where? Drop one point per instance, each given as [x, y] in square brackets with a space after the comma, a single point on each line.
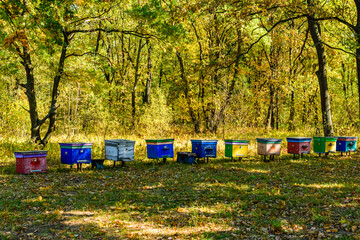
[308, 198]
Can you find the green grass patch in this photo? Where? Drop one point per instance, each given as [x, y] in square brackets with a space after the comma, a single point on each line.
[221, 199]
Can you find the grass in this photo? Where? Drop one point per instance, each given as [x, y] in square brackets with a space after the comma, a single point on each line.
[307, 198]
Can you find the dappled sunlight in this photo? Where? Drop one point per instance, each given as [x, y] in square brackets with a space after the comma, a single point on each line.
[257, 171]
[146, 229]
[305, 162]
[179, 223]
[321, 185]
[160, 185]
[215, 183]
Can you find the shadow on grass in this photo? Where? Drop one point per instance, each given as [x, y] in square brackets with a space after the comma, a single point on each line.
[222, 199]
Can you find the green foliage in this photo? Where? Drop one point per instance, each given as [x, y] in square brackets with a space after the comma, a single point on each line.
[215, 40]
[156, 119]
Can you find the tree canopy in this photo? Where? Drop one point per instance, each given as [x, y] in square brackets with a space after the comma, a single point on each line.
[192, 65]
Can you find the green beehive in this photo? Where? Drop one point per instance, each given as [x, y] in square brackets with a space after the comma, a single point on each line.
[324, 144]
[236, 148]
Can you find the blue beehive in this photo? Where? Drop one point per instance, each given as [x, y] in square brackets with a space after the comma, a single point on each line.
[186, 157]
[346, 144]
[78, 153]
[204, 148]
[160, 148]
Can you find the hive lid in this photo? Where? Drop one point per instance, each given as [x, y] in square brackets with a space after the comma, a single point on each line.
[331, 139]
[77, 144]
[347, 137]
[159, 140]
[239, 141]
[119, 140]
[30, 154]
[299, 139]
[268, 140]
[204, 140]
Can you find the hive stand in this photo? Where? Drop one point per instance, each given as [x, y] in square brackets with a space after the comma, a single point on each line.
[271, 157]
[78, 166]
[98, 163]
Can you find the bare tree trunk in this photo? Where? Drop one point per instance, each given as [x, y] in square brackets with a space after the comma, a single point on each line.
[137, 75]
[149, 79]
[357, 32]
[194, 119]
[321, 73]
[358, 67]
[292, 111]
[55, 93]
[31, 96]
[36, 123]
[277, 112]
[270, 114]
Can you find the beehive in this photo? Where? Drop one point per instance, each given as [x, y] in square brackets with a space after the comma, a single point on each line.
[75, 153]
[346, 144]
[119, 150]
[160, 148]
[186, 157]
[324, 144]
[28, 162]
[236, 148]
[268, 146]
[204, 148]
[298, 145]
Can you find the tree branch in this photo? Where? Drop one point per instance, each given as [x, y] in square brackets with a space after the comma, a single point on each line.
[25, 109]
[340, 49]
[352, 27]
[272, 28]
[96, 17]
[79, 55]
[303, 46]
[142, 35]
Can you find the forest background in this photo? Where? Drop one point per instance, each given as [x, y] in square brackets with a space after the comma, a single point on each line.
[157, 68]
[75, 70]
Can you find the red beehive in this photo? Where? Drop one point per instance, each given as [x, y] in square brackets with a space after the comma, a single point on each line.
[31, 162]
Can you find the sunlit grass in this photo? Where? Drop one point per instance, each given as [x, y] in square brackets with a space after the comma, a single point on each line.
[322, 185]
[150, 200]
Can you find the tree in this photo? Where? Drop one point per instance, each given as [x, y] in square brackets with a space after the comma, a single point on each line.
[321, 73]
[41, 30]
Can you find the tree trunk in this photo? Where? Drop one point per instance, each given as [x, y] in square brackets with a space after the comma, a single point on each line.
[149, 79]
[292, 111]
[55, 93]
[194, 119]
[36, 123]
[31, 96]
[357, 32]
[133, 94]
[270, 114]
[221, 115]
[321, 73]
[358, 69]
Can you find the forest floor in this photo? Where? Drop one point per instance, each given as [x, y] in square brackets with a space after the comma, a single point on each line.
[308, 198]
